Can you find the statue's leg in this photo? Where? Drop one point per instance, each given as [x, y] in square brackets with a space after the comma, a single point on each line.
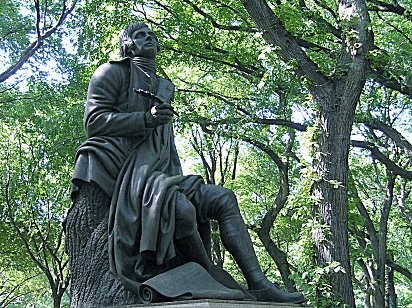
[191, 245]
[187, 237]
[222, 206]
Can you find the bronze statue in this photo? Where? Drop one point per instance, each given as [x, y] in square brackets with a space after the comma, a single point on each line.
[155, 214]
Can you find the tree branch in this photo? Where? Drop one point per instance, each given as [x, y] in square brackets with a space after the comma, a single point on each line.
[38, 43]
[381, 75]
[399, 31]
[383, 159]
[399, 269]
[392, 7]
[275, 34]
[266, 149]
[215, 23]
[241, 68]
[389, 131]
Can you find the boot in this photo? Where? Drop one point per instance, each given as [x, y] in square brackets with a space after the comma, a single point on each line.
[236, 239]
[274, 294]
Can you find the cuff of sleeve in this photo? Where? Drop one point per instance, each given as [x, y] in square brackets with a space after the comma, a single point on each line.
[137, 123]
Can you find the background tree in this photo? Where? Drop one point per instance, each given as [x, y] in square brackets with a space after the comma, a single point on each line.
[35, 161]
[26, 27]
[316, 94]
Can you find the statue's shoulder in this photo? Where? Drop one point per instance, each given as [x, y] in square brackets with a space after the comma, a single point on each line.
[112, 69]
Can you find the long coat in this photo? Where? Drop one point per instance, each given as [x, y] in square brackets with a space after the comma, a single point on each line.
[137, 167]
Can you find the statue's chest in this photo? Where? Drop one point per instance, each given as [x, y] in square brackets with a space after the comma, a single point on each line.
[138, 102]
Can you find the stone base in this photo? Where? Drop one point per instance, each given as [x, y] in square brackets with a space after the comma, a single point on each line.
[214, 303]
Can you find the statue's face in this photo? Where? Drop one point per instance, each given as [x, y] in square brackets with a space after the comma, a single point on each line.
[145, 43]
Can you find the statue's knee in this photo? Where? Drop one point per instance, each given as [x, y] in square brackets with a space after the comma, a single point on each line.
[232, 200]
[226, 205]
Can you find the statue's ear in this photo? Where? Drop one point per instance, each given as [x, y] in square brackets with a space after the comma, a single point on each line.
[127, 45]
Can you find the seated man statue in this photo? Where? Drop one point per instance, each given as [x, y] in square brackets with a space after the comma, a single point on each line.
[130, 157]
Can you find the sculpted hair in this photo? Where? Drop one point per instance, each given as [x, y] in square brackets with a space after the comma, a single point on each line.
[126, 41]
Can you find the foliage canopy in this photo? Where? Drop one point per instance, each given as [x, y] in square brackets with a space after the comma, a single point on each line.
[263, 88]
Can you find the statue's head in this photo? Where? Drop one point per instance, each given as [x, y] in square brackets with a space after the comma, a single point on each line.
[138, 39]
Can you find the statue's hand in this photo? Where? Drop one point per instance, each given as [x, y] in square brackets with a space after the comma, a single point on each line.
[159, 115]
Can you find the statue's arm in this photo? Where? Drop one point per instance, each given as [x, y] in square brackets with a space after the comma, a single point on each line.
[102, 114]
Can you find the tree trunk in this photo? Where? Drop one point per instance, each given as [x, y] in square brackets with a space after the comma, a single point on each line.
[279, 257]
[337, 99]
[217, 251]
[335, 125]
[391, 293]
[383, 232]
[57, 300]
[335, 119]
[368, 271]
[92, 284]
[276, 254]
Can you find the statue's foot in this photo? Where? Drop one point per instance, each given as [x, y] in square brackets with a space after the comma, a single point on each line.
[273, 293]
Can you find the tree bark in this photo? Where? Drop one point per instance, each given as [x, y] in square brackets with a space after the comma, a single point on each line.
[92, 285]
[391, 301]
[383, 232]
[331, 190]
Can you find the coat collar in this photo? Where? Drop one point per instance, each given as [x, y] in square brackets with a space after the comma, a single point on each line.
[123, 60]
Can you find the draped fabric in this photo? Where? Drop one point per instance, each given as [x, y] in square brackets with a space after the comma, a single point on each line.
[142, 213]
[137, 167]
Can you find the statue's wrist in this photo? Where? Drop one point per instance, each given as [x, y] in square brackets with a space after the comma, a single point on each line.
[148, 120]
